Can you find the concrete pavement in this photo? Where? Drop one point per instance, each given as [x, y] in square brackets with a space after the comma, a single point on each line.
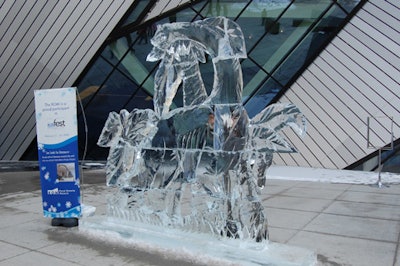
[344, 224]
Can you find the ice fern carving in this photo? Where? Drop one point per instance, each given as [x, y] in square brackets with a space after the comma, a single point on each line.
[199, 167]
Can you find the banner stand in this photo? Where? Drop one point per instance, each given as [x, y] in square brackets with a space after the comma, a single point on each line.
[57, 137]
[66, 222]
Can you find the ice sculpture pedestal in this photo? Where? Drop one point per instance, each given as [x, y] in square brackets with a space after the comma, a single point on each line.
[195, 247]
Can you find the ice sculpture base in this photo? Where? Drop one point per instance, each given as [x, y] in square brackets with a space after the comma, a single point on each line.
[195, 247]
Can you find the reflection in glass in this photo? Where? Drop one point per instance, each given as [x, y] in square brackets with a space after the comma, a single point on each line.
[348, 5]
[140, 6]
[295, 21]
[253, 77]
[310, 45]
[141, 100]
[264, 96]
[94, 79]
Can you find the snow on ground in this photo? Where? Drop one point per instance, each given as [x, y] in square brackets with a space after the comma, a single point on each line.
[330, 175]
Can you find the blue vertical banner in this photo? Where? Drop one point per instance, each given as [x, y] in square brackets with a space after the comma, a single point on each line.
[57, 138]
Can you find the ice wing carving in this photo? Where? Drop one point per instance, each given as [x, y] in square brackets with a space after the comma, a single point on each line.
[126, 134]
[265, 128]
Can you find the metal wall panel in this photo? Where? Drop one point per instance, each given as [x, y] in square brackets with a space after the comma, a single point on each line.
[354, 78]
[45, 44]
[164, 6]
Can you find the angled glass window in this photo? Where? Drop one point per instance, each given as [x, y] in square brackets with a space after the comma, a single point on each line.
[309, 45]
[229, 9]
[136, 68]
[253, 76]
[140, 6]
[259, 18]
[94, 79]
[348, 5]
[266, 93]
[282, 37]
[140, 100]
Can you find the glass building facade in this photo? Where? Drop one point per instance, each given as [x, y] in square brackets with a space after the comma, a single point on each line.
[282, 38]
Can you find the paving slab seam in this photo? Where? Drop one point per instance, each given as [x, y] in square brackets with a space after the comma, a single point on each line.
[318, 214]
[301, 197]
[268, 196]
[351, 237]
[296, 231]
[289, 209]
[28, 250]
[301, 229]
[57, 257]
[12, 244]
[17, 223]
[378, 191]
[359, 216]
[396, 260]
[352, 201]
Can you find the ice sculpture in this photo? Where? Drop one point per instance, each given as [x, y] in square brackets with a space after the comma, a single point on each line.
[199, 167]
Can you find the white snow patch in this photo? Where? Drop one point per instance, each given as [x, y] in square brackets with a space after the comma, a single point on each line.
[194, 247]
[330, 175]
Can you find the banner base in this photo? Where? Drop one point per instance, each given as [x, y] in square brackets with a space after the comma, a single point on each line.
[66, 222]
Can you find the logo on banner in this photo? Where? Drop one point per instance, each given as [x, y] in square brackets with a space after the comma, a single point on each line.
[56, 124]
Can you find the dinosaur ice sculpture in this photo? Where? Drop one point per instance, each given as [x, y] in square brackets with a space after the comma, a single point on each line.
[199, 167]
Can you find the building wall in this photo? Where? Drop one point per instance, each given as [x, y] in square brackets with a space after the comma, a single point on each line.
[44, 44]
[48, 44]
[355, 77]
[164, 6]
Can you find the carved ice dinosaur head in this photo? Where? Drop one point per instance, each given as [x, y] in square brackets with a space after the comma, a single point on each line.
[228, 35]
[219, 37]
